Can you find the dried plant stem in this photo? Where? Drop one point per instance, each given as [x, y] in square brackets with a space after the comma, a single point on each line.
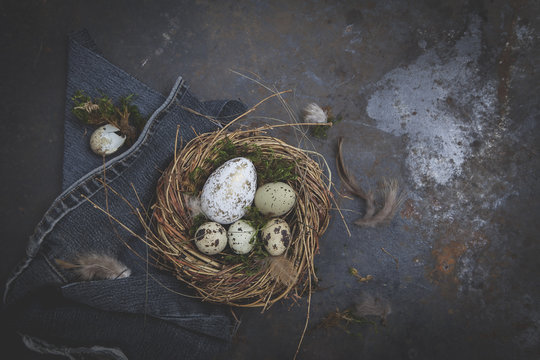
[392, 256]
[307, 321]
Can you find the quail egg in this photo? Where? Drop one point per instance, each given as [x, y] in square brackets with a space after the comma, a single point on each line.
[240, 235]
[275, 199]
[106, 140]
[276, 236]
[229, 190]
[211, 238]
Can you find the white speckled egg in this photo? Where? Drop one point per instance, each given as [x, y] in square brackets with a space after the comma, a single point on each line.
[240, 234]
[106, 140]
[276, 236]
[229, 190]
[211, 238]
[275, 199]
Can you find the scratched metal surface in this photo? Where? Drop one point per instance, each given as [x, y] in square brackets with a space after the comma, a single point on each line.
[442, 95]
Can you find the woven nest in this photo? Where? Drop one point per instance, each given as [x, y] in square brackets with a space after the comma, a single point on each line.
[253, 282]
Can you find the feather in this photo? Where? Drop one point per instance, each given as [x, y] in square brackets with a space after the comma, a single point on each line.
[281, 269]
[95, 266]
[390, 193]
[392, 201]
[313, 113]
[373, 306]
[193, 203]
[352, 185]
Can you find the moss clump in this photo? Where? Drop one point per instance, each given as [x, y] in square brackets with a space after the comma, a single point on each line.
[197, 221]
[321, 131]
[101, 110]
[270, 167]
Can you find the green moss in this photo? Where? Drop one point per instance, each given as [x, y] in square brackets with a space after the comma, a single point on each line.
[101, 110]
[197, 221]
[270, 167]
[135, 116]
[251, 261]
[321, 131]
[255, 218]
[197, 178]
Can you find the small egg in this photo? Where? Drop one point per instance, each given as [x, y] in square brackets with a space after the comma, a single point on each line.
[106, 140]
[276, 236]
[229, 190]
[211, 238]
[275, 199]
[240, 235]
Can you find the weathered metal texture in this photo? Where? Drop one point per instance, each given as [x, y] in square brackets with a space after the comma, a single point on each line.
[442, 96]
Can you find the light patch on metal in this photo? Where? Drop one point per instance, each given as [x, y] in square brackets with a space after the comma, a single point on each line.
[438, 103]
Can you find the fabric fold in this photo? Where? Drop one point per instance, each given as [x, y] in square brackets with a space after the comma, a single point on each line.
[137, 315]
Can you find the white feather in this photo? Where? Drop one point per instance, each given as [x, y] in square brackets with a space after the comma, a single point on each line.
[313, 113]
[94, 266]
[193, 203]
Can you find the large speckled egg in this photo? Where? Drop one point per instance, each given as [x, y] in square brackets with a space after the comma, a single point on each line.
[275, 199]
[106, 140]
[276, 236]
[229, 190]
[211, 238]
[240, 235]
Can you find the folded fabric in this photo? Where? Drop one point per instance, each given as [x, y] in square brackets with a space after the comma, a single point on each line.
[142, 316]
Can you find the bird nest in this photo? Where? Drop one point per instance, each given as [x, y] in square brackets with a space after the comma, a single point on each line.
[256, 279]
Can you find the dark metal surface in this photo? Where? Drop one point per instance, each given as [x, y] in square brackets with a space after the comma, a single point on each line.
[440, 95]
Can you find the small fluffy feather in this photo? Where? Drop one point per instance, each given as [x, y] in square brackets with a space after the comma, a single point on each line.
[390, 193]
[96, 267]
[281, 269]
[313, 113]
[351, 184]
[193, 203]
[373, 306]
[392, 200]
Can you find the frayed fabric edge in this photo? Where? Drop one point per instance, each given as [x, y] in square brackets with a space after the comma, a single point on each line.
[78, 353]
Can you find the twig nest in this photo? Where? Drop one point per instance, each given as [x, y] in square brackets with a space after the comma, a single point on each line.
[106, 140]
[247, 280]
[211, 238]
[276, 236]
[229, 190]
[275, 199]
[241, 237]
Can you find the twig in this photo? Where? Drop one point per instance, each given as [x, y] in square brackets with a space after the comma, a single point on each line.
[393, 257]
[307, 320]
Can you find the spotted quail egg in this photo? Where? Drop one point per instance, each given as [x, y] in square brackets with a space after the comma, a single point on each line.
[275, 199]
[106, 140]
[240, 234]
[229, 190]
[276, 236]
[211, 238]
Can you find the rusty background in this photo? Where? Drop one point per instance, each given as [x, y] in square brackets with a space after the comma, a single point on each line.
[441, 95]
